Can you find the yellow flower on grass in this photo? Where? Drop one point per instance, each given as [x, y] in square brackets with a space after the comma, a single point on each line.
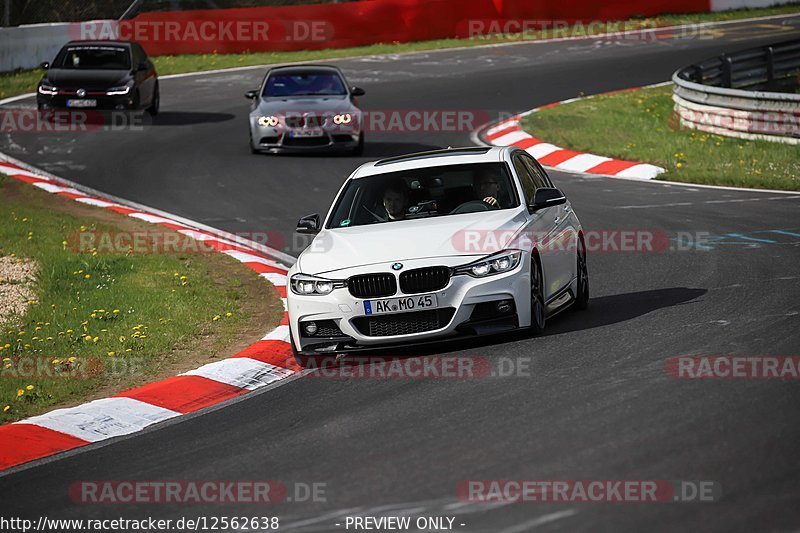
[72, 359]
[228, 314]
[87, 276]
[96, 339]
[112, 354]
[115, 311]
[679, 165]
[6, 408]
[20, 392]
[29, 387]
[56, 361]
[216, 317]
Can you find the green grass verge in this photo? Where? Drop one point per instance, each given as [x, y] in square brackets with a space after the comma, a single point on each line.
[124, 318]
[640, 126]
[12, 84]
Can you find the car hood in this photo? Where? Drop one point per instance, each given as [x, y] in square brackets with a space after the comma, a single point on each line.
[358, 246]
[87, 79]
[305, 105]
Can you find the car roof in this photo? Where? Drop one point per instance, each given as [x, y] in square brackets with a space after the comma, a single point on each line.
[305, 68]
[435, 158]
[99, 42]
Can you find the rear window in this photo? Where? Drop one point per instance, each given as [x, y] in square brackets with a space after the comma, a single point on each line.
[94, 58]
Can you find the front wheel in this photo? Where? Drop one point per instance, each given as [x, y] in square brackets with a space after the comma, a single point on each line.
[538, 311]
[156, 103]
[359, 149]
[582, 298]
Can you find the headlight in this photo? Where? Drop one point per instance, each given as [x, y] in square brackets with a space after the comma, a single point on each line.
[46, 88]
[306, 285]
[344, 118]
[117, 91]
[268, 121]
[498, 263]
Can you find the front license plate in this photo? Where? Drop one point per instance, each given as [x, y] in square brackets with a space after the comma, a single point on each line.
[306, 133]
[399, 305]
[81, 103]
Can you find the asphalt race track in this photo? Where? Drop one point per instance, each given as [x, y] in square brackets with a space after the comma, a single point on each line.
[598, 403]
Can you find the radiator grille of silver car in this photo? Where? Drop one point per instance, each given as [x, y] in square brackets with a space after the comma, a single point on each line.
[372, 285]
[404, 323]
[424, 279]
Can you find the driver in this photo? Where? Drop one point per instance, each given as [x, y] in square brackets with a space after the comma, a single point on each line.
[487, 186]
[395, 199]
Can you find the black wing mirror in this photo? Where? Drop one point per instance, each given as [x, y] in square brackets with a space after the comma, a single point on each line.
[309, 225]
[251, 95]
[357, 91]
[44, 65]
[546, 197]
[143, 67]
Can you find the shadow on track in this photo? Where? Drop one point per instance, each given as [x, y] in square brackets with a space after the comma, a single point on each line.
[180, 118]
[603, 311]
[616, 308]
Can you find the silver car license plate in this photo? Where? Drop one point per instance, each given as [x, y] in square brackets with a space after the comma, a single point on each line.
[81, 103]
[400, 305]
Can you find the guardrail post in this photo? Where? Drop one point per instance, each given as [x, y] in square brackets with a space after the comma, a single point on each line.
[770, 68]
[727, 71]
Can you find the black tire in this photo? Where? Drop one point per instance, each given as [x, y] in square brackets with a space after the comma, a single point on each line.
[156, 103]
[538, 308]
[359, 149]
[582, 298]
[253, 149]
[310, 362]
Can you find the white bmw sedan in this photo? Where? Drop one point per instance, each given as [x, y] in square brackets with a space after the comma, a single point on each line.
[436, 245]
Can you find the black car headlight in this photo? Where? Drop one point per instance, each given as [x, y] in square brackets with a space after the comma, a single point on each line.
[498, 263]
[47, 88]
[306, 285]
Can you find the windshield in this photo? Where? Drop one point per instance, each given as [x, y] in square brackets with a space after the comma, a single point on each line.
[424, 193]
[94, 57]
[305, 84]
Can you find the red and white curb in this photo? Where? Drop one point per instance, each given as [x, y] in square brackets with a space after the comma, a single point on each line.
[510, 133]
[265, 362]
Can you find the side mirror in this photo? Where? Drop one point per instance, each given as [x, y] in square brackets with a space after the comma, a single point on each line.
[143, 67]
[44, 65]
[546, 197]
[251, 95]
[357, 91]
[309, 225]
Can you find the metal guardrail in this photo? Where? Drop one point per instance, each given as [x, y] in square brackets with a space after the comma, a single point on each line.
[738, 94]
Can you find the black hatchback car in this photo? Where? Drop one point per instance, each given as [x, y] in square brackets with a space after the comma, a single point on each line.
[107, 75]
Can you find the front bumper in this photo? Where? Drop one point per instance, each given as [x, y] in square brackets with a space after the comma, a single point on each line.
[104, 102]
[284, 139]
[467, 306]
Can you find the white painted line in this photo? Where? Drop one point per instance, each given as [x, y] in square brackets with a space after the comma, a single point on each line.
[582, 162]
[281, 333]
[53, 188]
[542, 149]
[97, 202]
[103, 419]
[155, 219]
[244, 257]
[241, 372]
[510, 138]
[642, 171]
[279, 280]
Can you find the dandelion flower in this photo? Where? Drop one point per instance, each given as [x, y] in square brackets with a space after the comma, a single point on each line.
[29, 387]
[20, 392]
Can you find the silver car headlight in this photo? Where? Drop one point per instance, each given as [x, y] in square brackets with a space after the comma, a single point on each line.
[344, 118]
[268, 121]
[306, 285]
[498, 263]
